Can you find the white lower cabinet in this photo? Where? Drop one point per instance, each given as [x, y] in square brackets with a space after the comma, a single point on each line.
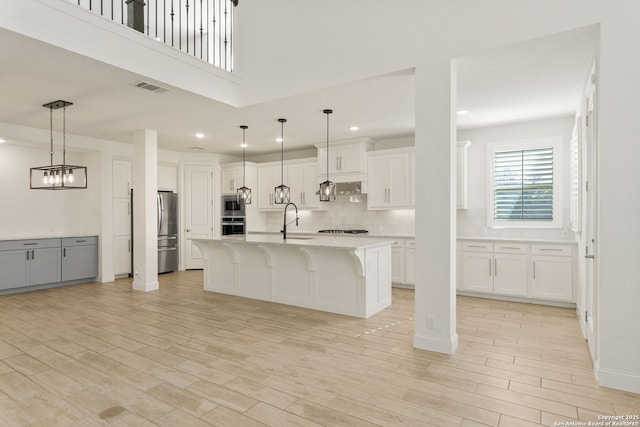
[552, 275]
[510, 274]
[403, 262]
[410, 262]
[397, 262]
[518, 269]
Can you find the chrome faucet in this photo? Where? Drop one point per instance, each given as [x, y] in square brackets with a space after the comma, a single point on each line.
[284, 222]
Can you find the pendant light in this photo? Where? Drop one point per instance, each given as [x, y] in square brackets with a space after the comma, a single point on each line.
[61, 176]
[243, 194]
[281, 191]
[327, 188]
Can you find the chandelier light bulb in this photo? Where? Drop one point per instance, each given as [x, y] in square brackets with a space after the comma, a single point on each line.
[45, 178]
[70, 175]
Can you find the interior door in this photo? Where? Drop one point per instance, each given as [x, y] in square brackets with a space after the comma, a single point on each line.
[590, 231]
[198, 212]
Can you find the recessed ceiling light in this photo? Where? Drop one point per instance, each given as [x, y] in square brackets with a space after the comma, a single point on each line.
[462, 112]
[354, 128]
[243, 145]
[278, 139]
[2, 140]
[199, 135]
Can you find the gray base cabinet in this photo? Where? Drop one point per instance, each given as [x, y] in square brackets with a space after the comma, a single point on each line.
[41, 262]
[79, 258]
[29, 262]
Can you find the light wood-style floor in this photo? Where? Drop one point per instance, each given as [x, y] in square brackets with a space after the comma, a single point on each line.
[102, 354]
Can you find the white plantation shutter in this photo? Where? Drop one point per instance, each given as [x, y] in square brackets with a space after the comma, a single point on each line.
[523, 185]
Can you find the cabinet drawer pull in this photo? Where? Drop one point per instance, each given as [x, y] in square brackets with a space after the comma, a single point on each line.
[64, 252]
[476, 246]
[27, 255]
[510, 247]
[80, 241]
[534, 270]
[30, 244]
[495, 267]
[489, 267]
[551, 249]
[33, 254]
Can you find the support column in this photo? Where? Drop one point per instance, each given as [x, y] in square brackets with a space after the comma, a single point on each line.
[435, 290]
[145, 215]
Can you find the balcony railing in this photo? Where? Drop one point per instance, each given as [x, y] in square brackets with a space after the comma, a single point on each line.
[201, 28]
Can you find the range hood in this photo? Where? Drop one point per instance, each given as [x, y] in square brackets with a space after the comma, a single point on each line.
[349, 188]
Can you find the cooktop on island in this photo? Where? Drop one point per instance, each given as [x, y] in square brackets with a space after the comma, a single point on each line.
[352, 231]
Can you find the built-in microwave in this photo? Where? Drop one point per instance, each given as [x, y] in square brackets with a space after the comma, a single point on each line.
[233, 225]
[231, 207]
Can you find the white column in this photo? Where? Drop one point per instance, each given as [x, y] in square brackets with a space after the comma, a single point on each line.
[145, 215]
[435, 308]
[106, 225]
[618, 235]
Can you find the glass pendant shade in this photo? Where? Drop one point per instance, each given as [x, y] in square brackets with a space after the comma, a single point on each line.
[61, 176]
[243, 194]
[327, 191]
[327, 188]
[281, 193]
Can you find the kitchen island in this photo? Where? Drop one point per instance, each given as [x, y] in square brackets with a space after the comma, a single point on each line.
[347, 276]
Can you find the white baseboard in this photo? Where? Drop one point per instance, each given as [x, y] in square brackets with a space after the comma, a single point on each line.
[439, 345]
[106, 278]
[627, 381]
[146, 287]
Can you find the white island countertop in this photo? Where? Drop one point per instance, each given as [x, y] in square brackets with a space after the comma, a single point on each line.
[309, 240]
[346, 275]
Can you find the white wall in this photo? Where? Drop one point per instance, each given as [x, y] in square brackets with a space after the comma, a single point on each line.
[472, 222]
[30, 213]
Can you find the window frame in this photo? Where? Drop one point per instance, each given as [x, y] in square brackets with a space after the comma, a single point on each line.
[558, 174]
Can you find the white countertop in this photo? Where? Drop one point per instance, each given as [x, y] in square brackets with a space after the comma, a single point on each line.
[518, 239]
[305, 241]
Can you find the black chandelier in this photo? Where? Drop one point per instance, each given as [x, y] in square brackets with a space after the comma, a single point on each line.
[60, 176]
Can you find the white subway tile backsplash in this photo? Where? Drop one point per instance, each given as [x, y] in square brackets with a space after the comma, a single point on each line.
[343, 214]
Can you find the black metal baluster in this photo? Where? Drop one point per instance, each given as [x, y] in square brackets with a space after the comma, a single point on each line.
[226, 28]
[172, 14]
[155, 9]
[195, 10]
[180, 24]
[148, 22]
[122, 12]
[187, 21]
[219, 35]
[201, 28]
[208, 33]
[213, 35]
[101, 12]
[231, 42]
[112, 10]
[164, 20]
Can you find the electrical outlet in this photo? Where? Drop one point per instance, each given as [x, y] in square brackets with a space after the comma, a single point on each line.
[431, 321]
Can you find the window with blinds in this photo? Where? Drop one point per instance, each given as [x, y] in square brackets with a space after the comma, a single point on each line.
[523, 185]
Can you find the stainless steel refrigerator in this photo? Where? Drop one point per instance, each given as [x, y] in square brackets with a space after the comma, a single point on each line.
[167, 231]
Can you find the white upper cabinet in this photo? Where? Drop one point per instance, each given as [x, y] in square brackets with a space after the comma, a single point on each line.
[122, 181]
[347, 160]
[168, 178]
[269, 176]
[303, 180]
[231, 179]
[389, 179]
[462, 148]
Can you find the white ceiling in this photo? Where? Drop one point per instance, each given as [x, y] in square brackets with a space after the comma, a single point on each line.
[528, 81]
